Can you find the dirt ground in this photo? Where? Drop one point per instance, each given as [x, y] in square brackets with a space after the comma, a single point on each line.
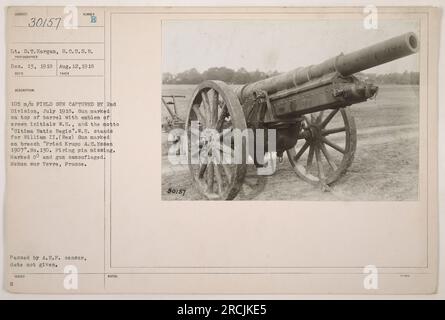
[385, 166]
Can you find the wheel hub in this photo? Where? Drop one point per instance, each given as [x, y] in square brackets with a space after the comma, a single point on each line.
[312, 133]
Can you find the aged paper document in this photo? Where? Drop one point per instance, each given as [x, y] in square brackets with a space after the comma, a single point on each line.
[221, 150]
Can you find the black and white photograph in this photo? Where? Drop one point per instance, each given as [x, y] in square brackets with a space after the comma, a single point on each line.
[308, 110]
[223, 151]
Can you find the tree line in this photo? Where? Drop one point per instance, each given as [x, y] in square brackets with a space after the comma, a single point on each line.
[242, 76]
[406, 77]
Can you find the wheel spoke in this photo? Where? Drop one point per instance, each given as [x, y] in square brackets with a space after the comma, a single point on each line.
[328, 118]
[194, 142]
[221, 118]
[301, 151]
[310, 157]
[210, 177]
[328, 156]
[326, 132]
[195, 134]
[206, 104]
[333, 145]
[320, 116]
[227, 172]
[314, 118]
[225, 132]
[201, 118]
[202, 169]
[319, 163]
[197, 150]
[227, 153]
[214, 107]
[219, 180]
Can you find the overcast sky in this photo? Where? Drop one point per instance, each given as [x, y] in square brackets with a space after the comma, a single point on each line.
[269, 45]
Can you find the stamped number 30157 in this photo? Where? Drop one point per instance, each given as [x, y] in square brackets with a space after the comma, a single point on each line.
[180, 192]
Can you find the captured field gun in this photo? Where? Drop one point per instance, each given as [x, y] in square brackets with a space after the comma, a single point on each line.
[307, 107]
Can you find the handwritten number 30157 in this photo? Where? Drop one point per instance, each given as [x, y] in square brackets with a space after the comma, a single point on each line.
[47, 22]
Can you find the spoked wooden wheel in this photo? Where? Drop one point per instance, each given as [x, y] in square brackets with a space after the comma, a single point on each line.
[327, 148]
[215, 111]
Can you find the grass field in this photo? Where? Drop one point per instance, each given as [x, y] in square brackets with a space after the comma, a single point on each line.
[385, 165]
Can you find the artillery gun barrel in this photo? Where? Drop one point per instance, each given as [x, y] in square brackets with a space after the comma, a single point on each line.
[344, 64]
